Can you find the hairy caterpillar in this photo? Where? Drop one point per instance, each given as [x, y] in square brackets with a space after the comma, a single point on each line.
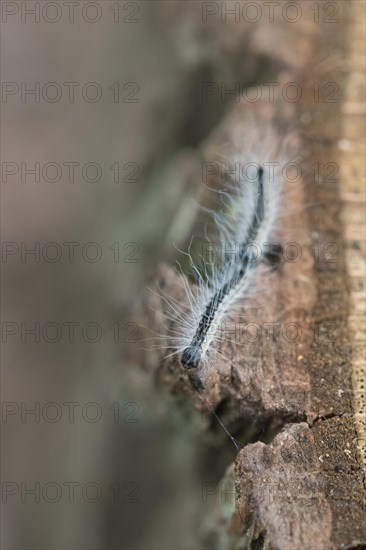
[231, 284]
[245, 225]
[252, 206]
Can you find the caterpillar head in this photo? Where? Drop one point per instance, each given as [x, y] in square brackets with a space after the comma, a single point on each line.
[191, 357]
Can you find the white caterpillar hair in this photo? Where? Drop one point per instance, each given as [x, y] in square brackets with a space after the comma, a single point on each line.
[250, 207]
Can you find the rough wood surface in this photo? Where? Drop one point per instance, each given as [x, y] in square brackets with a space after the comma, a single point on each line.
[303, 488]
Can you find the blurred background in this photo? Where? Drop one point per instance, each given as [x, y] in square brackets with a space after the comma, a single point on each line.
[104, 108]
